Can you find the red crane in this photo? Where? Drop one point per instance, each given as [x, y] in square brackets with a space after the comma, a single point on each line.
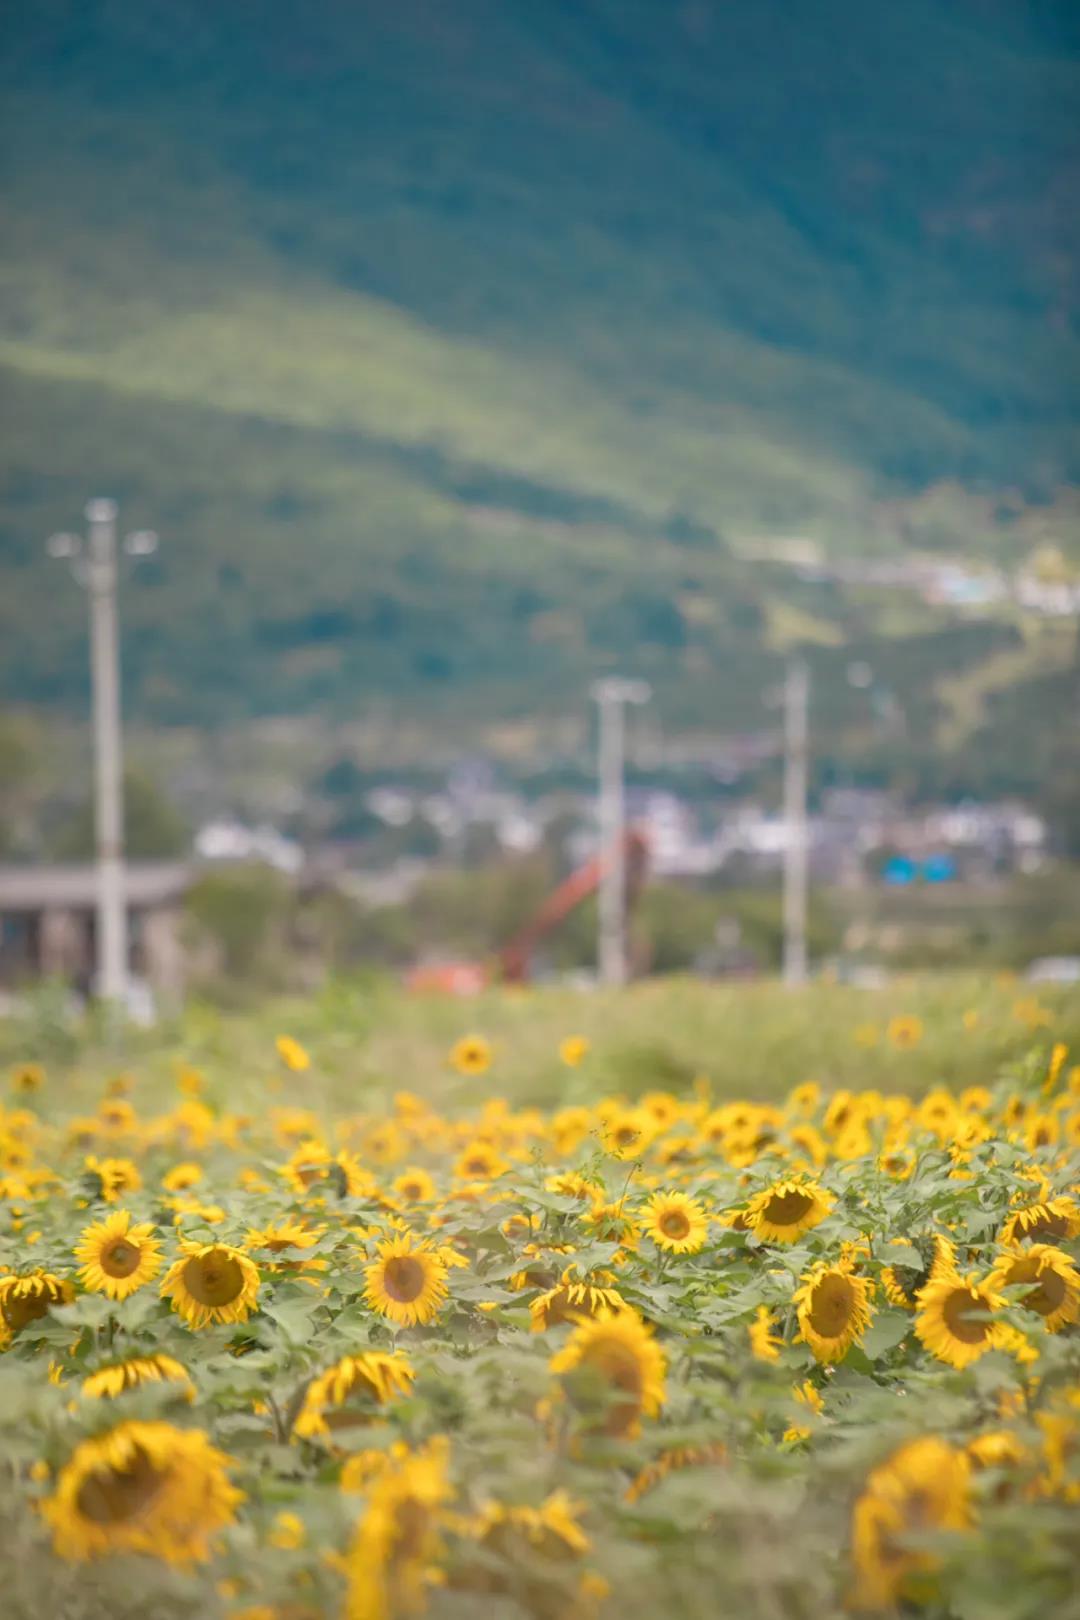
[511, 965]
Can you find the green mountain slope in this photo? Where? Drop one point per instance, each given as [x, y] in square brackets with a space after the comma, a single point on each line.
[458, 353]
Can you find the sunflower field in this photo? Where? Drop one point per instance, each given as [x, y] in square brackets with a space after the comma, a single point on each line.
[649, 1352]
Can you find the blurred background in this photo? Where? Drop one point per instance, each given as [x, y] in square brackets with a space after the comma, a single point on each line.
[461, 357]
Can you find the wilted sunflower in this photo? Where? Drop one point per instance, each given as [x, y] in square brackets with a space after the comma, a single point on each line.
[834, 1310]
[407, 1283]
[471, 1055]
[921, 1489]
[117, 1257]
[955, 1318]
[350, 1392]
[1056, 1291]
[571, 1299]
[123, 1375]
[613, 1372]
[1049, 1218]
[783, 1212]
[396, 1544]
[675, 1223]
[142, 1488]
[211, 1282]
[27, 1297]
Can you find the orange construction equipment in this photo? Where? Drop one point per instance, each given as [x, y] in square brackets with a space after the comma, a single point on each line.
[511, 966]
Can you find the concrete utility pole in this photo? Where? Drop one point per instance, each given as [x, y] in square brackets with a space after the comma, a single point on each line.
[611, 694]
[94, 564]
[796, 701]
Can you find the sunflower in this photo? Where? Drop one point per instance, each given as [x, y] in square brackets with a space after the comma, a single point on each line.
[627, 1132]
[292, 1054]
[396, 1545]
[671, 1461]
[572, 1050]
[407, 1283]
[415, 1186]
[1049, 1218]
[110, 1179]
[142, 1488]
[904, 1031]
[471, 1055]
[764, 1344]
[783, 1212]
[479, 1161]
[123, 1375]
[117, 1257]
[349, 1393]
[182, 1177]
[27, 1297]
[211, 1282]
[280, 1247]
[1056, 1292]
[922, 1489]
[834, 1310]
[571, 1300]
[26, 1078]
[313, 1169]
[675, 1223]
[954, 1318]
[613, 1372]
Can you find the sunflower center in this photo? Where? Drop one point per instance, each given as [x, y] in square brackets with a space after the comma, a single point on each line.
[1049, 1295]
[213, 1279]
[618, 1364]
[788, 1208]
[831, 1305]
[114, 1495]
[1048, 1225]
[120, 1259]
[23, 1309]
[674, 1223]
[966, 1316]
[404, 1277]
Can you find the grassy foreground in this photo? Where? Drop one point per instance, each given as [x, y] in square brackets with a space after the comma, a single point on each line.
[691, 1301]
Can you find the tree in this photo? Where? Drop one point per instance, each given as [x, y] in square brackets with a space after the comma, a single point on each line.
[153, 828]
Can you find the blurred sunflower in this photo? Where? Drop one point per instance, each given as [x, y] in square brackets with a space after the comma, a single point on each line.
[211, 1282]
[613, 1372]
[783, 1212]
[471, 1055]
[26, 1078]
[479, 1161]
[292, 1054]
[572, 1299]
[123, 1375]
[414, 1186]
[350, 1392]
[1049, 1218]
[765, 1345]
[904, 1031]
[954, 1320]
[572, 1050]
[920, 1490]
[396, 1544]
[117, 1257]
[675, 1223]
[671, 1461]
[834, 1310]
[27, 1297]
[142, 1488]
[1056, 1291]
[110, 1179]
[406, 1283]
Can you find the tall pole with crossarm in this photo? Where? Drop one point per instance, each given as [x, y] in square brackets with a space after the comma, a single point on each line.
[611, 696]
[95, 565]
[796, 704]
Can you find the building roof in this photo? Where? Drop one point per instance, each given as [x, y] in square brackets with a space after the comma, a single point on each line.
[37, 888]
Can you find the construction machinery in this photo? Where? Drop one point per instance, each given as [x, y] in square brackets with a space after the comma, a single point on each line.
[512, 963]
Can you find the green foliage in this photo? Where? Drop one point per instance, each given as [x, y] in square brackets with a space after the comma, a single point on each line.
[152, 826]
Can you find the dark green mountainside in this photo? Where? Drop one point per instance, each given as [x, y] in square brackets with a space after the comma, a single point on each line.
[459, 351]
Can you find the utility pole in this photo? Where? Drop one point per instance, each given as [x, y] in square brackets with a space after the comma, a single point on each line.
[95, 565]
[611, 696]
[796, 701]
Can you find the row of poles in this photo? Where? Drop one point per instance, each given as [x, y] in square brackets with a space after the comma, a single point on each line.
[95, 564]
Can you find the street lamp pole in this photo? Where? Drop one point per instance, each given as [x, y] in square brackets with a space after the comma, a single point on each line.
[611, 695]
[796, 704]
[95, 566]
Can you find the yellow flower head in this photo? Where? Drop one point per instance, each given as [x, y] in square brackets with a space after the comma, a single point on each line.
[955, 1318]
[922, 1487]
[613, 1372]
[406, 1283]
[471, 1055]
[211, 1282]
[136, 1370]
[292, 1054]
[783, 1212]
[142, 1488]
[351, 1392]
[26, 1298]
[834, 1310]
[118, 1257]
